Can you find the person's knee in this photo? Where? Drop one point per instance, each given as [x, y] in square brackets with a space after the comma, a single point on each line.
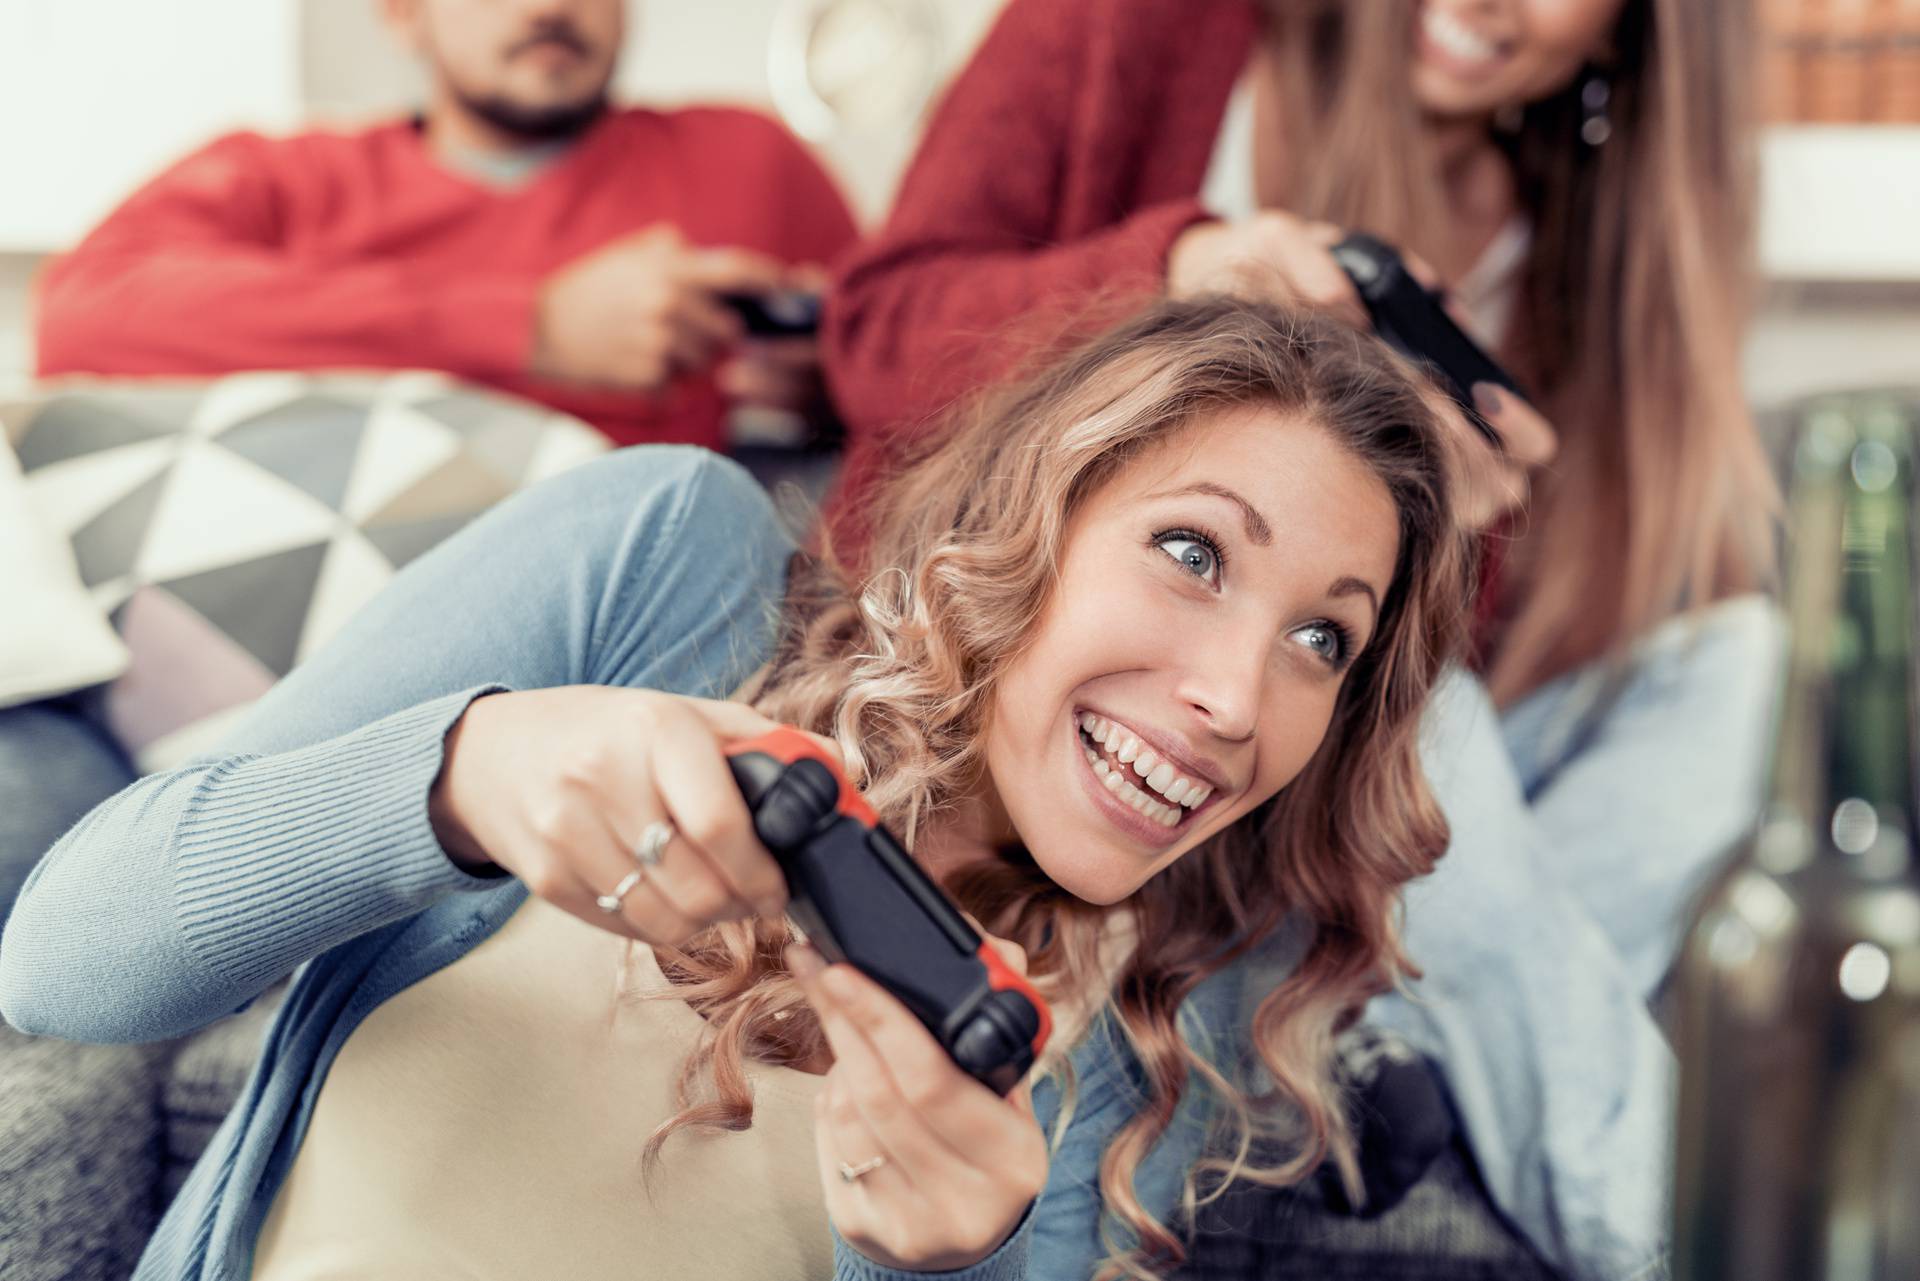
[622, 480]
[681, 560]
[668, 484]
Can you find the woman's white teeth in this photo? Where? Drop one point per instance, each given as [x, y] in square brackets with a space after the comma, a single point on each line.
[1456, 37]
[1147, 770]
[1115, 781]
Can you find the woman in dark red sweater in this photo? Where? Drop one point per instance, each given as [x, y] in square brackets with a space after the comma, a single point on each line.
[1577, 174]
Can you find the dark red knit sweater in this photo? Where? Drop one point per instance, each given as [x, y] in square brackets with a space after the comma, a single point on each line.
[1059, 169]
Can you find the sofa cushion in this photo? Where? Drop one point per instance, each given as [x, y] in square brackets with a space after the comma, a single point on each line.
[230, 527]
[55, 639]
[79, 1156]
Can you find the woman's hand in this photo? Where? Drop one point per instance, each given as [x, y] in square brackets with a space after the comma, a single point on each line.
[1489, 483]
[1271, 257]
[949, 1166]
[1277, 257]
[560, 787]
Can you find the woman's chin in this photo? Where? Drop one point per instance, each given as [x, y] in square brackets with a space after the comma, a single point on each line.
[1101, 886]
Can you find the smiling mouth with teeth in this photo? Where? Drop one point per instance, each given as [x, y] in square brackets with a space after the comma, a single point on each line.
[1134, 773]
[1455, 37]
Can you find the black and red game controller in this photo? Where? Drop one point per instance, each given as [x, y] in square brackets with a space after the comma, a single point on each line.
[861, 899]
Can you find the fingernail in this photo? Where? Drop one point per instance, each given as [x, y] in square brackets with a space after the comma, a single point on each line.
[803, 962]
[1486, 399]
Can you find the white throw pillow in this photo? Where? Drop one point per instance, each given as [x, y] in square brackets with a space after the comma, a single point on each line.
[53, 638]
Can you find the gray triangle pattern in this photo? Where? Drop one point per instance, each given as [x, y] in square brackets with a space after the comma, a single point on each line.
[406, 542]
[471, 414]
[261, 603]
[108, 545]
[311, 443]
[508, 450]
[71, 426]
[497, 432]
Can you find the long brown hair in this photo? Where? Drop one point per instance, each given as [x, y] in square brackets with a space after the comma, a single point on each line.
[900, 664]
[1633, 302]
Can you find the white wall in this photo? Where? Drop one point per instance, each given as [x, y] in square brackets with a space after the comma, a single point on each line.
[96, 93]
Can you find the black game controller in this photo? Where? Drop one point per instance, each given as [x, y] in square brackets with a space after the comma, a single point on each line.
[1412, 321]
[781, 313]
[862, 899]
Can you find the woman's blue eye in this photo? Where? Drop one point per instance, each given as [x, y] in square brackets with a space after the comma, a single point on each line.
[1326, 640]
[1195, 557]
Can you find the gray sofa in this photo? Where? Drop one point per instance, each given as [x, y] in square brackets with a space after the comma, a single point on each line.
[96, 1139]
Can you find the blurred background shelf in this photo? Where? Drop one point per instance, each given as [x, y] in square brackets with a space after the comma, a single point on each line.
[1840, 203]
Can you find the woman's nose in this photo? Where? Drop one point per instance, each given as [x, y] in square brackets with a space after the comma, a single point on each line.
[1223, 684]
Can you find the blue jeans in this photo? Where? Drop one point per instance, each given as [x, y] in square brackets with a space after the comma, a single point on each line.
[1585, 819]
[57, 761]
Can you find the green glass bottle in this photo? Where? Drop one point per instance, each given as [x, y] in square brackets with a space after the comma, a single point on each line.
[1797, 996]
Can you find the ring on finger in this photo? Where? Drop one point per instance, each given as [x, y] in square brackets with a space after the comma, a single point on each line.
[854, 1173]
[653, 843]
[610, 903]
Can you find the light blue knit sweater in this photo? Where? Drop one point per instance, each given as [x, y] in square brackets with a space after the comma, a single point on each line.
[306, 844]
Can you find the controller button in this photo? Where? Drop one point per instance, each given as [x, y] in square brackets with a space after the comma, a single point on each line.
[1000, 1032]
[984, 1044]
[795, 806]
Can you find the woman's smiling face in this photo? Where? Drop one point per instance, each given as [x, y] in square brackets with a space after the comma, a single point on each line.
[1210, 599]
[1472, 57]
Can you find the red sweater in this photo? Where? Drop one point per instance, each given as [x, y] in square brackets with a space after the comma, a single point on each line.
[1059, 169]
[361, 250]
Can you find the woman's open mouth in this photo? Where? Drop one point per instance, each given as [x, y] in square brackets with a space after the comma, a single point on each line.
[1445, 40]
[1136, 776]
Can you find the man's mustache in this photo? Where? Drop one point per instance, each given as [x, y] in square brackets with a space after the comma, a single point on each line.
[558, 31]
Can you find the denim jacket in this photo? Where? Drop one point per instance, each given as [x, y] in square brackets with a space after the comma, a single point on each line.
[1585, 819]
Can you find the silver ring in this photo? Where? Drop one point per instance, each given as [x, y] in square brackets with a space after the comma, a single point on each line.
[610, 903]
[852, 1173]
[653, 843]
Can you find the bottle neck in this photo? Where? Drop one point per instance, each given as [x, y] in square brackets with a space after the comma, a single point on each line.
[1844, 763]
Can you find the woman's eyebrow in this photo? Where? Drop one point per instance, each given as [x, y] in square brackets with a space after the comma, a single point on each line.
[1351, 586]
[1258, 530]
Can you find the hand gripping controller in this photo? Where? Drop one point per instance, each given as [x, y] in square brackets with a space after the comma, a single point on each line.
[1414, 323]
[862, 899]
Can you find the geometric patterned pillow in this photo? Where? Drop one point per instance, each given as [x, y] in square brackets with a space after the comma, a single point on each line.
[229, 527]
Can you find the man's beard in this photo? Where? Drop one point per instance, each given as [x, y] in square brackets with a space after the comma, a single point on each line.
[549, 123]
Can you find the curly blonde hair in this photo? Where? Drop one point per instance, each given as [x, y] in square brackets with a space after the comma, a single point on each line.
[898, 664]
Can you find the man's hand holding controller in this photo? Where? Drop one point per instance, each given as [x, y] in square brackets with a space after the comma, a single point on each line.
[644, 309]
